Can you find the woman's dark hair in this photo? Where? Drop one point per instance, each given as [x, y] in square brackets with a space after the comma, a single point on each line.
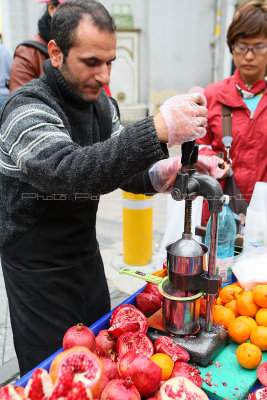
[250, 19]
[67, 16]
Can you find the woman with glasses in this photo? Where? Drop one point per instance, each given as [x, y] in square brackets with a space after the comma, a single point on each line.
[240, 104]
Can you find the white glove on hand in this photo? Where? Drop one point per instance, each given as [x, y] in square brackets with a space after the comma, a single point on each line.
[185, 117]
[163, 174]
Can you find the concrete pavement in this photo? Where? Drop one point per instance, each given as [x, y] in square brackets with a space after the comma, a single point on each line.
[109, 232]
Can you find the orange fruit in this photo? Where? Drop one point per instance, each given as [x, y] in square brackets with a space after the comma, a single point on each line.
[222, 315]
[229, 293]
[239, 331]
[248, 355]
[165, 363]
[219, 301]
[232, 306]
[260, 295]
[261, 317]
[258, 336]
[246, 305]
[250, 321]
[236, 284]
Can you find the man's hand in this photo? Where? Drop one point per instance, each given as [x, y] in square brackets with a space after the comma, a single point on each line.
[181, 119]
[163, 174]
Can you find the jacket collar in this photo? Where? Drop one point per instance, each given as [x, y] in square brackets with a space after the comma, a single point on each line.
[228, 94]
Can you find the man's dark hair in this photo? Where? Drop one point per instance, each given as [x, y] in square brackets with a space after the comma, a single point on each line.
[67, 16]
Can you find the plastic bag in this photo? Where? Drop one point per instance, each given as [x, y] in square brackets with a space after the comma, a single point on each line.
[250, 268]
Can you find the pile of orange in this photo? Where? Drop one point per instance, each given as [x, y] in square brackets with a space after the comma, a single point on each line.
[244, 315]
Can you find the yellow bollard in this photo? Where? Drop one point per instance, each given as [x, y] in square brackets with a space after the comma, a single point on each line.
[137, 228]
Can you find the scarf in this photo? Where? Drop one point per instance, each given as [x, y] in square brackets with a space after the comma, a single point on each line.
[44, 24]
[248, 92]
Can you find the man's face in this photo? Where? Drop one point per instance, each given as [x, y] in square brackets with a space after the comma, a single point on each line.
[88, 64]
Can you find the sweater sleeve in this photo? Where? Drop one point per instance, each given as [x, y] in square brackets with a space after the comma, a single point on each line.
[37, 149]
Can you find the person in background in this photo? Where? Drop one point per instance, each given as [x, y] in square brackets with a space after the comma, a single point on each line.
[28, 61]
[5, 66]
[62, 147]
[245, 95]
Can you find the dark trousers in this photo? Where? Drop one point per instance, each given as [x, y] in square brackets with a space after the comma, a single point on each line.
[45, 302]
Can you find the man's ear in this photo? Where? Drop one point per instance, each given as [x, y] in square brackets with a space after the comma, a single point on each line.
[55, 54]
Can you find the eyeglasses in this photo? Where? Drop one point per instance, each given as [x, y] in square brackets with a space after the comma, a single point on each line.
[245, 49]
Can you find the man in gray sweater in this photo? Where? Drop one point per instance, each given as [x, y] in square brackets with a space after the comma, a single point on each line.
[62, 146]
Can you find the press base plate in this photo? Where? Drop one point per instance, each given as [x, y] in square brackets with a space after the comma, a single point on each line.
[202, 346]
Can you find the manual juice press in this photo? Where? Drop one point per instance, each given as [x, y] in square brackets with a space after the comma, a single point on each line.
[188, 278]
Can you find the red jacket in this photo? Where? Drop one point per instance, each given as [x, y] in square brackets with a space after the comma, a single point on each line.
[249, 146]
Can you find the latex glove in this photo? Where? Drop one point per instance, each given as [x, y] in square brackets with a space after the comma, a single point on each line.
[185, 117]
[211, 165]
[163, 174]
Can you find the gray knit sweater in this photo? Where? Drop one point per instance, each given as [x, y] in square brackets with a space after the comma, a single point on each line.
[52, 150]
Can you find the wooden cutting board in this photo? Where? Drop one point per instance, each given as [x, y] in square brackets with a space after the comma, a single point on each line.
[226, 379]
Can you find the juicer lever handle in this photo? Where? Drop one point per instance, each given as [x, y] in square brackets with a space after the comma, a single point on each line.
[187, 150]
[141, 275]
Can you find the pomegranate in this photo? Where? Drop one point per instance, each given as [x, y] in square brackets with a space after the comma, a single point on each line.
[137, 341]
[80, 362]
[79, 392]
[9, 393]
[104, 383]
[120, 389]
[110, 366]
[262, 373]
[21, 391]
[62, 386]
[145, 374]
[125, 313]
[117, 330]
[148, 303]
[181, 388]
[152, 288]
[188, 371]
[260, 394]
[165, 344]
[39, 386]
[79, 335]
[104, 343]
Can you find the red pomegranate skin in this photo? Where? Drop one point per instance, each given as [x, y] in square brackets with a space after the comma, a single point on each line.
[118, 329]
[120, 389]
[165, 344]
[148, 303]
[152, 288]
[145, 374]
[79, 335]
[110, 367]
[104, 343]
[180, 388]
[262, 373]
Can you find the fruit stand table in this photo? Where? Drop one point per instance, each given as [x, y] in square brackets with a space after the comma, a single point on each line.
[223, 379]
